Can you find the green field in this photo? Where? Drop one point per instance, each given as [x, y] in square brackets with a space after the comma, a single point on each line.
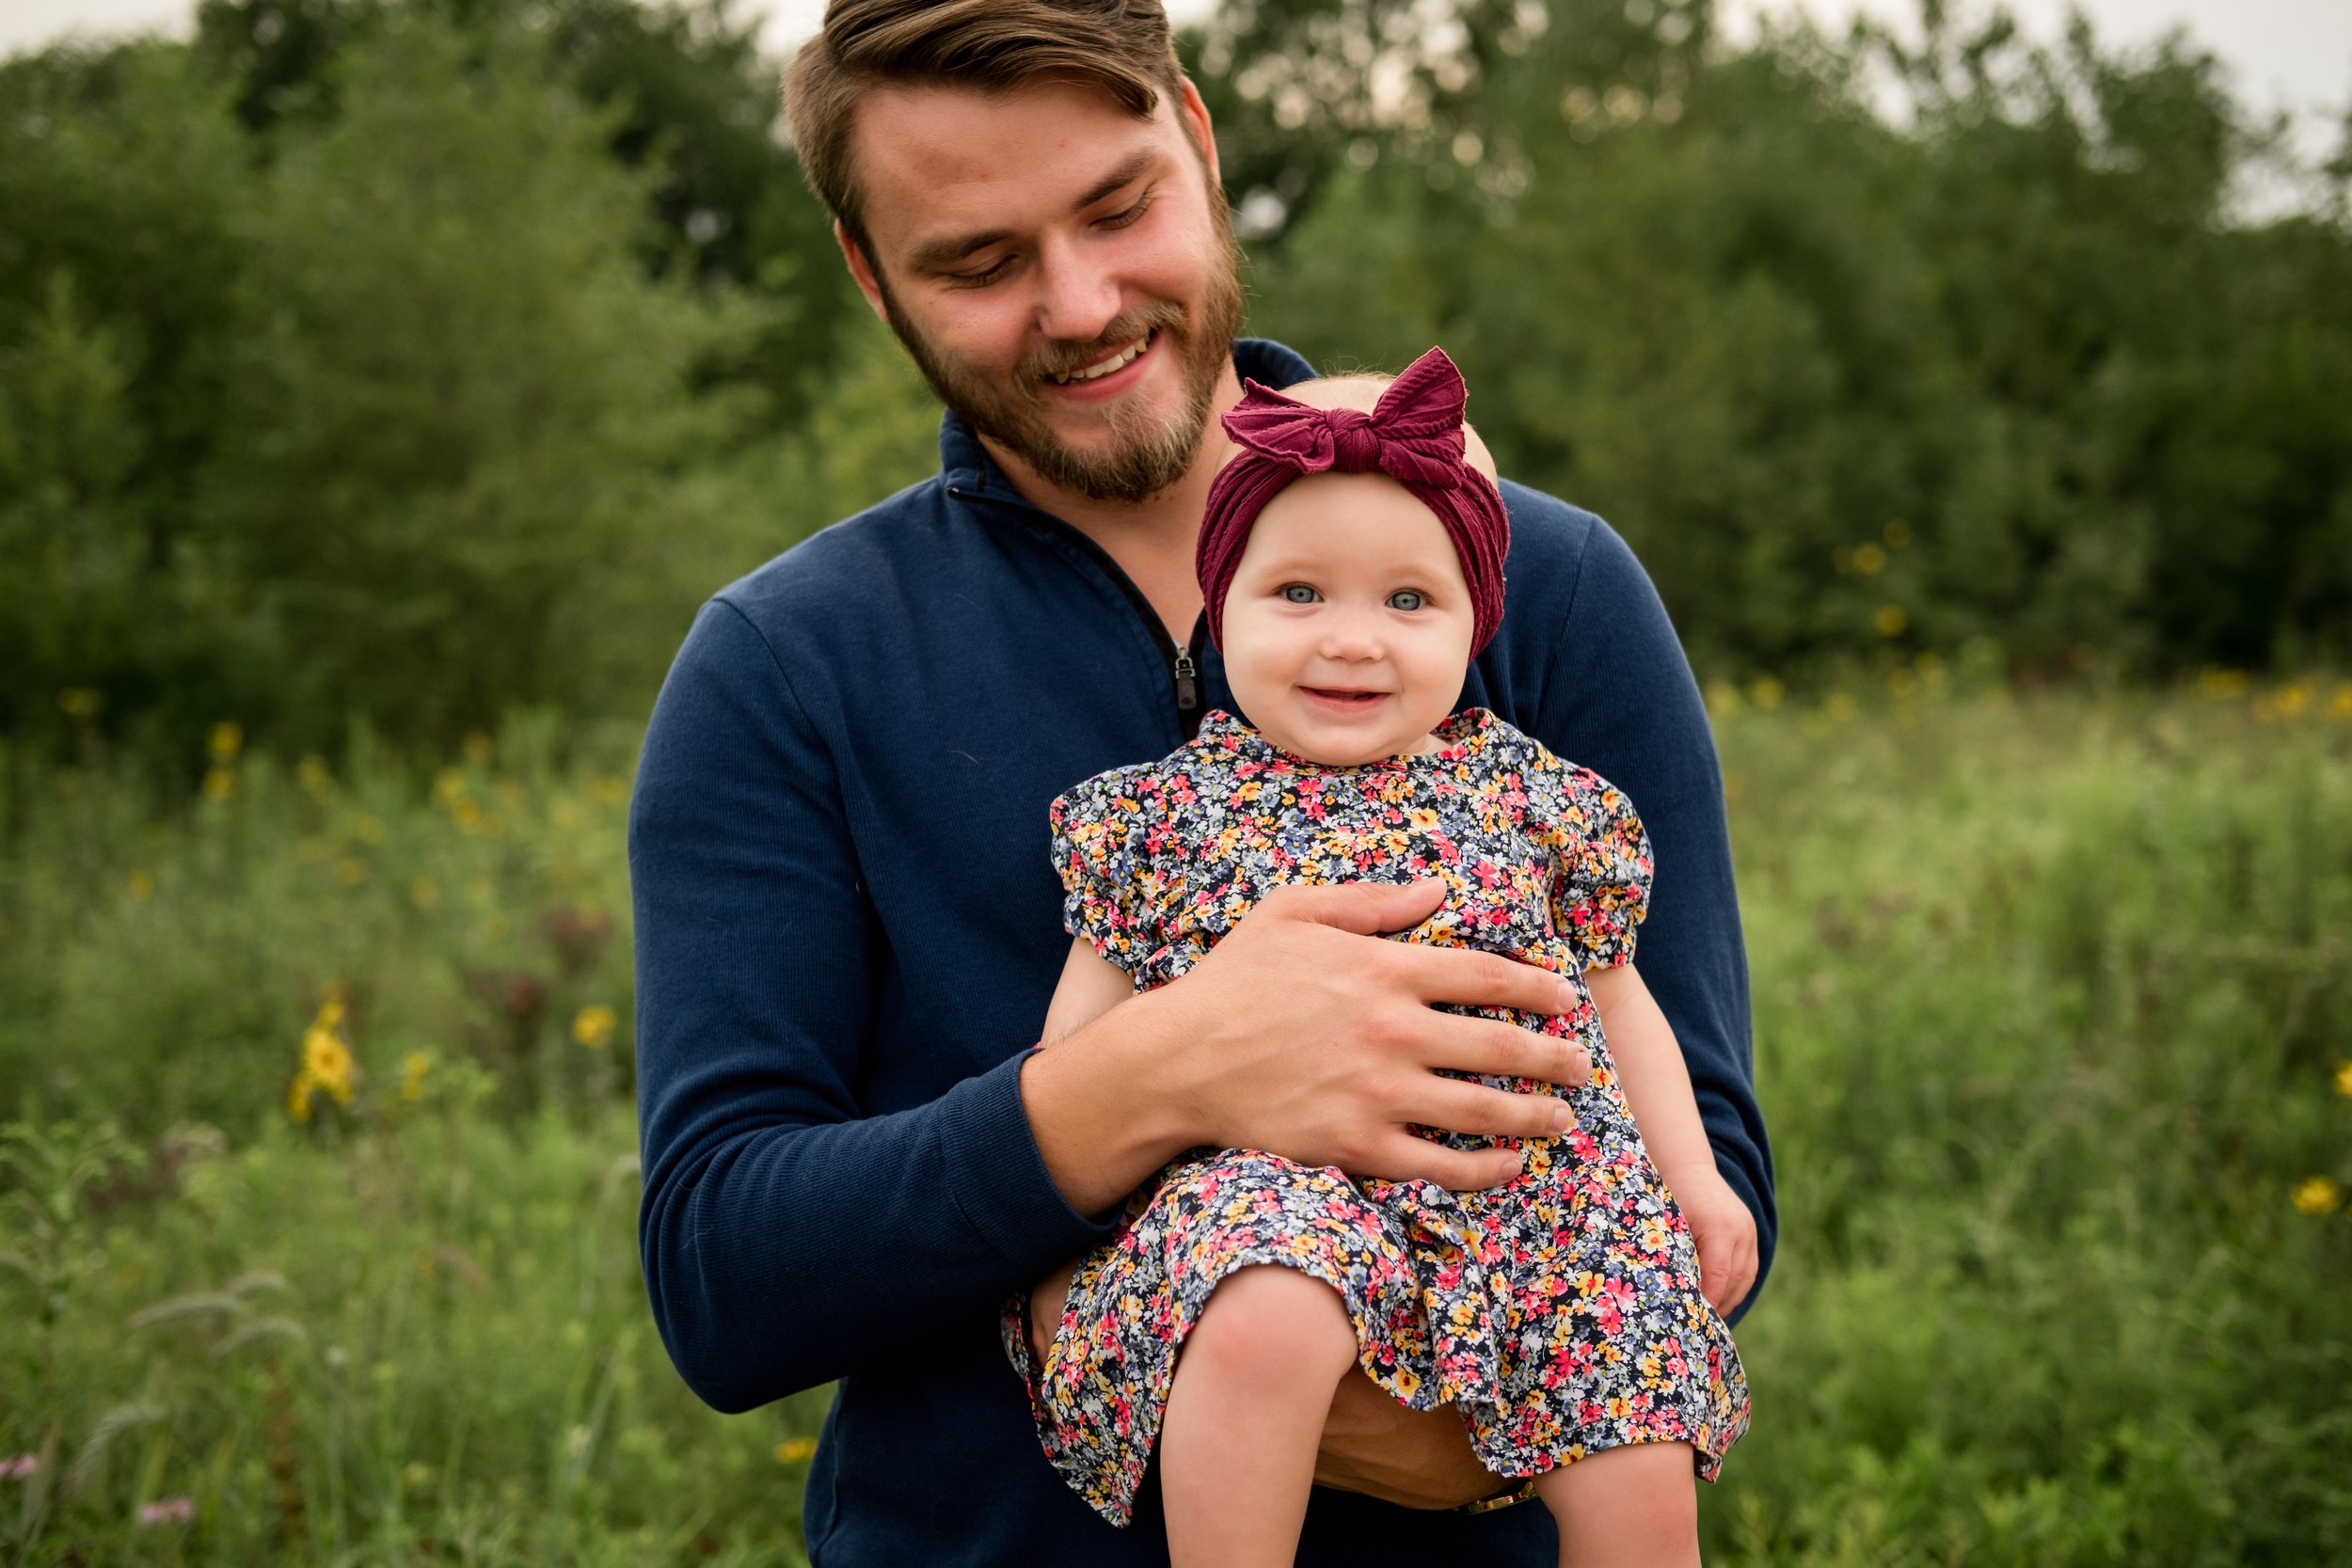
[2054, 1012]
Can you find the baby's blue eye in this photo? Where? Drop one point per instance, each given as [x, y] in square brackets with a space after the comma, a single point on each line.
[1298, 593]
[1405, 598]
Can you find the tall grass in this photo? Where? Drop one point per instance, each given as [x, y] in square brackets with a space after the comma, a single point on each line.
[2053, 1003]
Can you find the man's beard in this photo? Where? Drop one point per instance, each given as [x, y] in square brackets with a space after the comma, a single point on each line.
[1143, 456]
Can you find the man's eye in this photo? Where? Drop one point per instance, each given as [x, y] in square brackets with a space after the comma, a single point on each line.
[1131, 215]
[1406, 598]
[1298, 593]
[989, 274]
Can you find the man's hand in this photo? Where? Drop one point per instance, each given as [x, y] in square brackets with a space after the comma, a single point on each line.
[1723, 1231]
[1305, 1034]
[1412, 1458]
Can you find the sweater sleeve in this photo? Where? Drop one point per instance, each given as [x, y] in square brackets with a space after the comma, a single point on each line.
[788, 1236]
[1621, 692]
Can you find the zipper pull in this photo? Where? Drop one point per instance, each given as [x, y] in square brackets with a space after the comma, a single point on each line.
[1187, 681]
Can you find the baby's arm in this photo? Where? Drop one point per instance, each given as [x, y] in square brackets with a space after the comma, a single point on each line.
[1091, 986]
[1657, 1087]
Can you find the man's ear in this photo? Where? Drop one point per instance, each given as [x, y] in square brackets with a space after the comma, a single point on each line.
[861, 272]
[1195, 116]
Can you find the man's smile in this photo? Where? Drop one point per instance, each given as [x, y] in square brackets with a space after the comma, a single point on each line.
[1109, 375]
[1106, 365]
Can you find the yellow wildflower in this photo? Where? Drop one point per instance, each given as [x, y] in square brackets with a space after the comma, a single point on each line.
[2317, 1195]
[224, 740]
[351, 871]
[2340, 706]
[2344, 1079]
[323, 1056]
[142, 885]
[424, 892]
[465, 813]
[594, 1028]
[80, 702]
[1767, 693]
[1897, 534]
[795, 1451]
[1868, 560]
[413, 1067]
[1890, 620]
[449, 787]
[219, 784]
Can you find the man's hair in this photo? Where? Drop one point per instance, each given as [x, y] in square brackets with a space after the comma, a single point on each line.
[1122, 46]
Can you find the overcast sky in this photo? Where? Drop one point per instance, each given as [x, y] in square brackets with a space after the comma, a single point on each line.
[2295, 53]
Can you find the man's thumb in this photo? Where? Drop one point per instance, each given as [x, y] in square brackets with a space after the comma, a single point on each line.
[1367, 909]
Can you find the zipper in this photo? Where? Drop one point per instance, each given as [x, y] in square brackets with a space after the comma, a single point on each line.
[1183, 658]
[1187, 680]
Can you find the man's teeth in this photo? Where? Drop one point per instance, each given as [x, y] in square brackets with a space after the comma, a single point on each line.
[1118, 361]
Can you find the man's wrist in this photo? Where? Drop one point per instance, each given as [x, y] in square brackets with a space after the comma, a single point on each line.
[1101, 1108]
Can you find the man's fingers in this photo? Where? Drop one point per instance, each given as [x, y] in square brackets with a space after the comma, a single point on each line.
[1406, 1158]
[1474, 979]
[1367, 909]
[1500, 1050]
[1480, 1111]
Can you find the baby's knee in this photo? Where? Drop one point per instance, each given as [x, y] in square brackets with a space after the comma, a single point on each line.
[1273, 1321]
[1632, 1505]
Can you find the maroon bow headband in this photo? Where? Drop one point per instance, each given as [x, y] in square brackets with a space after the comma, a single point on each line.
[1413, 434]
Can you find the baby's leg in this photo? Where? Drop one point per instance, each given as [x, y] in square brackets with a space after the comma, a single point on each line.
[1633, 1507]
[1245, 1414]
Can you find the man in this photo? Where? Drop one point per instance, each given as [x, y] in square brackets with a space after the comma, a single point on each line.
[847, 925]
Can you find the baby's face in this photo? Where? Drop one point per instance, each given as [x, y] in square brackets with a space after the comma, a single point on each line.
[1347, 628]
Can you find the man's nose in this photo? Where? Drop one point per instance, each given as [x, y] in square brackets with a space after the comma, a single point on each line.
[1077, 297]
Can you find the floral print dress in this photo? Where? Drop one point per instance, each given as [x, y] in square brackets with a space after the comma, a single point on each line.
[1560, 1314]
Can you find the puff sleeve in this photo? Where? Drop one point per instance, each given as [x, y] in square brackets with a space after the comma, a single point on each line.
[1101, 854]
[1603, 865]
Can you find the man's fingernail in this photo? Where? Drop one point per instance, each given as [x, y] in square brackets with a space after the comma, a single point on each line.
[1568, 997]
[1582, 1064]
[1561, 1117]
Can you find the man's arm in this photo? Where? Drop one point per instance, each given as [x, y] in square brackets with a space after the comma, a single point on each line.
[788, 1236]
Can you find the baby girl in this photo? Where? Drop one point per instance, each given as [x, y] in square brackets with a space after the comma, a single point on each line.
[1351, 558]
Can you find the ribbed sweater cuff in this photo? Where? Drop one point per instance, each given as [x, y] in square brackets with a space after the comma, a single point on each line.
[998, 1178]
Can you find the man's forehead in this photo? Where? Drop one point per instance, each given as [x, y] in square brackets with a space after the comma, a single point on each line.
[933, 158]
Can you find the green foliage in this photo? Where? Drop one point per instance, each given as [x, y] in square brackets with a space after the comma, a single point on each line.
[2053, 1034]
[377, 414]
[2053, 1014]
[457, 400]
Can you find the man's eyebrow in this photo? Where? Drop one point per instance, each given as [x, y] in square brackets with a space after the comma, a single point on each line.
[933, 254]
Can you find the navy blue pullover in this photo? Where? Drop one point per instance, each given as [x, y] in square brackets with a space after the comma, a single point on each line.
[848, 928]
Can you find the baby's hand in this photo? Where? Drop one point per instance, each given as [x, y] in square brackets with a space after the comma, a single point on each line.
[1724, 1232]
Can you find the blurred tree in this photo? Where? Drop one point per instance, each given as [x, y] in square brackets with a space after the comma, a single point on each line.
[121, 184]
[457, 398]
[693, 101]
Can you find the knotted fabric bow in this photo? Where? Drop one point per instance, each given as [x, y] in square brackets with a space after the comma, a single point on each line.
[1413, 434]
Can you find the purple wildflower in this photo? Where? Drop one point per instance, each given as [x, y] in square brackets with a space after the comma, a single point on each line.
[167, 1511]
